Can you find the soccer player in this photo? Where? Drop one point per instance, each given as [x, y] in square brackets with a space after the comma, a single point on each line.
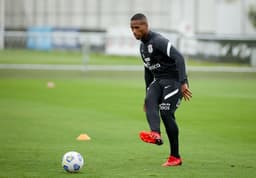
[166, 84]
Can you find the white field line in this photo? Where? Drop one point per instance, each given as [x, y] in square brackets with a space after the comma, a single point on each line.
[115, 68]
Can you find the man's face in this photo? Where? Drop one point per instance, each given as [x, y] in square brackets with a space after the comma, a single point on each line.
[139, 28]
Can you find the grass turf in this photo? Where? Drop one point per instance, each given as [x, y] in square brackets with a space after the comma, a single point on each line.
[38, 125]
[76, 57]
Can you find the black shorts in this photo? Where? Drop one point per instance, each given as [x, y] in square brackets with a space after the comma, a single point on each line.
[164, 94]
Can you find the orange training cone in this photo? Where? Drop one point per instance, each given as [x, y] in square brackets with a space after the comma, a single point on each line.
[83, 137]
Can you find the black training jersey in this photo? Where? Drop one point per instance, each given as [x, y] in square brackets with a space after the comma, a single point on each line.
[161, 59]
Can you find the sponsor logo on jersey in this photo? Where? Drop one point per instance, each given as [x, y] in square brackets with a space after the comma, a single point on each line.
[155, 66]
[147, 59]
[150, 48]
[146, 65]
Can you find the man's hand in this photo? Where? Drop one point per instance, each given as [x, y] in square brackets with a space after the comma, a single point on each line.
[187, 94]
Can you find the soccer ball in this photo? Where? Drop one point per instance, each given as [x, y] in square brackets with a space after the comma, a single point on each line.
[72, 161]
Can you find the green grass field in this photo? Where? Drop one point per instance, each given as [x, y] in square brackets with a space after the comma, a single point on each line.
[38, 125]
[64, 57]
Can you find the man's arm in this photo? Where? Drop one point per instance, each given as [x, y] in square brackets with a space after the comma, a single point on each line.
[180, 62]
[175, 55]
[166, 47]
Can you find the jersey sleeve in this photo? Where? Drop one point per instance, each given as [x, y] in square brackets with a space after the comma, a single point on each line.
[180, 62]
[165, 46]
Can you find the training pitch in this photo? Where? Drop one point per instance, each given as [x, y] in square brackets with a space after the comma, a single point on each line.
[38, 124]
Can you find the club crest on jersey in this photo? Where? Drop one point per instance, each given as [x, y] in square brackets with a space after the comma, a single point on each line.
[150, 48]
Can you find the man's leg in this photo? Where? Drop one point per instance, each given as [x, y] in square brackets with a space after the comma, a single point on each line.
[172, 131]
[152, 113]
[170, 101]
[153, 97]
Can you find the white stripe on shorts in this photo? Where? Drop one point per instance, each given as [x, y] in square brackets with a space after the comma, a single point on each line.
[171, 94]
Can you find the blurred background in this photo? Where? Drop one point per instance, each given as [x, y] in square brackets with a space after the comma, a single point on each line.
[218, 30]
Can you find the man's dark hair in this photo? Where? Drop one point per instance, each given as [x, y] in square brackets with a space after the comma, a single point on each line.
[139, 16]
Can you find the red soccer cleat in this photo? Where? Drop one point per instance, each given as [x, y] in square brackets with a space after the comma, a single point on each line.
[151, 137]
[172, 161]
